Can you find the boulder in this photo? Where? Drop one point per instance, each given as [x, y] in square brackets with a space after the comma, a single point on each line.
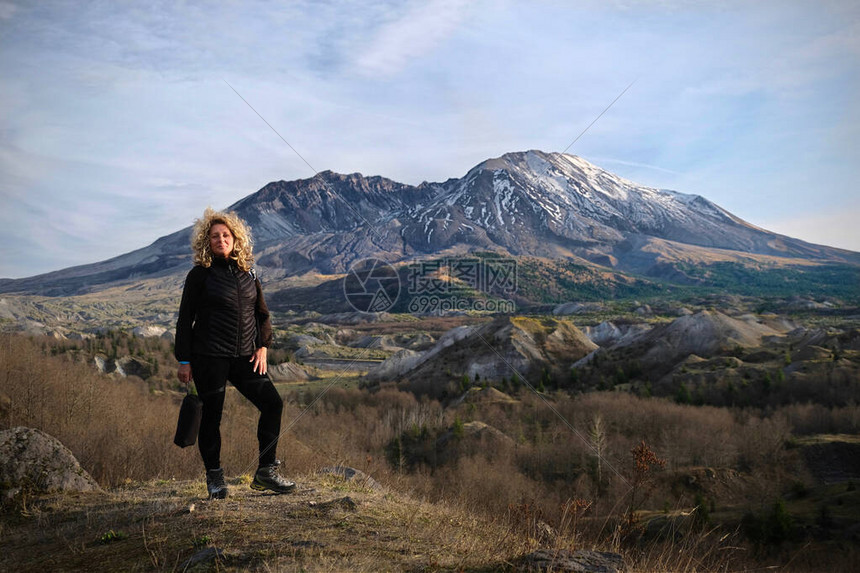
[580, 561]
[32, 460]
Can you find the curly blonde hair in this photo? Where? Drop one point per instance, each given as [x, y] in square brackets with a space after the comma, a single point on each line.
[242, 243]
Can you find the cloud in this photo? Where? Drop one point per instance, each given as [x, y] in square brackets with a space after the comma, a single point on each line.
[611, 161]
[412, 35]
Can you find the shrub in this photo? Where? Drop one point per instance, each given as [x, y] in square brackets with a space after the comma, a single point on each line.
[773, 528]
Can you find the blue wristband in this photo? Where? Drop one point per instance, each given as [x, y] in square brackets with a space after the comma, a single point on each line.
[183, 362]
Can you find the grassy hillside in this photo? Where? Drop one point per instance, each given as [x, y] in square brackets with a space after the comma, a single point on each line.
[328, 525]
[494, 475]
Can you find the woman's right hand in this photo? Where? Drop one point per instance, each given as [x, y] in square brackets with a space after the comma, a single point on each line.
[184, 373]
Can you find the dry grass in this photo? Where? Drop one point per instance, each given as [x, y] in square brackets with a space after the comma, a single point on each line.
[115, 427]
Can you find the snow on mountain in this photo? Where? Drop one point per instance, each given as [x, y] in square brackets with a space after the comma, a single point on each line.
[548, 203]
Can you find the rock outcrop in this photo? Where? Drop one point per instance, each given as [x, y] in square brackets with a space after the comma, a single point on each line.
[395, 365]
[132, 366]
[581, 561]
[32, 460]
[704, 334]
[504, 348]
[288, 372]
[124, 366]
[608, 333]
[148, 330]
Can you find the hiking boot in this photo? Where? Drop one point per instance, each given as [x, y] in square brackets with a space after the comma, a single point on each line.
[215, 484]
[267, 478]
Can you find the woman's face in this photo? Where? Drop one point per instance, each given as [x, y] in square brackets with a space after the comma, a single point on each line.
[220, 240]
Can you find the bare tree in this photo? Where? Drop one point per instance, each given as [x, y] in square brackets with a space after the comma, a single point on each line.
[597, 440]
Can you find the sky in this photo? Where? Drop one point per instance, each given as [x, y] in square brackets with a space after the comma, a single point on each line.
[119, 124]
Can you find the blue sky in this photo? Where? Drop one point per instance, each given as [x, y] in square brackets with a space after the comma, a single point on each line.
[118, 125]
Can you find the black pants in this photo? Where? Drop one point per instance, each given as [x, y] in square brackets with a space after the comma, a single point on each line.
[210, 376]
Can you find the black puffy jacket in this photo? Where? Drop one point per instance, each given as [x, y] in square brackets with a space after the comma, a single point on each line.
[222, 313]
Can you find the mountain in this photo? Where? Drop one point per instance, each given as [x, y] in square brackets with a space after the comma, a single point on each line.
[547, 205]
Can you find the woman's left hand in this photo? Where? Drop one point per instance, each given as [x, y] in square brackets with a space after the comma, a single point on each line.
[259, 360]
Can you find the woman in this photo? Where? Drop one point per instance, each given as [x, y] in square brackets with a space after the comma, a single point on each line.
[222, 334]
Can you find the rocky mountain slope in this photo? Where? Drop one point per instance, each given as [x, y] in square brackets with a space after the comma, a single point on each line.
[709, 357]
[504, 348]
[705, 333]
[547, 205]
